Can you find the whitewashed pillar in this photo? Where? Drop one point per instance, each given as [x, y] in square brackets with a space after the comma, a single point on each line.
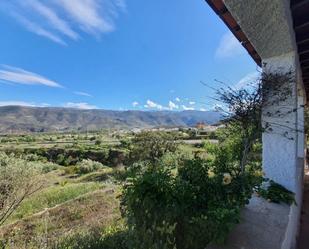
[283, 145]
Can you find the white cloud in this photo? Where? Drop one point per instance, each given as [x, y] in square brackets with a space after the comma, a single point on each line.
[21, 76]
[247, 80]
[188, 108]
[52, 18]
[16, 103]
[229, 46]
[192, 103]
[82, 105]
[87, 15]
[203, 110]
[152, 105]
[22, 103]
[172, 105]
[60, 19]
[83, 94]
[44, 104]
[135, 104]
[177, 99]
[37, 29]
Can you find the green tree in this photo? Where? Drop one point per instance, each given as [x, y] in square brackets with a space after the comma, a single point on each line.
[18, 180]
[151, 146]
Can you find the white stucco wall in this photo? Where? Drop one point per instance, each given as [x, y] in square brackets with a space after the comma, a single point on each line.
[269, 27]
[280, 144]
[283, 146]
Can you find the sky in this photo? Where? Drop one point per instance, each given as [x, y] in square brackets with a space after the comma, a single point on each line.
[117, 54]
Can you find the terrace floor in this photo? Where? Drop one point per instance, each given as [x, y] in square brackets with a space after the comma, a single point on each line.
[263, 226]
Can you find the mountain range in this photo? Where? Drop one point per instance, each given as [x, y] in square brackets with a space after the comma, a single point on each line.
[19, 119]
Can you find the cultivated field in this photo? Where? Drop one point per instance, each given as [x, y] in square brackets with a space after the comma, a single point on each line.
[80, 176]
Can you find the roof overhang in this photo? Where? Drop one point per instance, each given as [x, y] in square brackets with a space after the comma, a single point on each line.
[219, 7]
[300, 15]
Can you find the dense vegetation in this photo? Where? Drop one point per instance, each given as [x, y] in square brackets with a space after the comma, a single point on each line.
[57, 188]
[145, 190]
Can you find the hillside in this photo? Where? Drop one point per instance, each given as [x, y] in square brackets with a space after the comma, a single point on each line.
[16, 119]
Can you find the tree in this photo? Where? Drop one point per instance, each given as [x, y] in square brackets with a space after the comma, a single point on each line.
[151, 146]
[18, 180]
[243, 110]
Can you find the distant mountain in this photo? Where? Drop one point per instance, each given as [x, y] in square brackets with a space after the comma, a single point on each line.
[14, 119]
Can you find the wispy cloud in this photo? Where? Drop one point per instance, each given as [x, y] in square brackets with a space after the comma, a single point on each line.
[22, 103]
[177, 99]
[188, 108]
[203, 110]
[83, 94]
[135, 104]
[37, 29]
[229, 46]
[81, 105]
[51, 17]
[21, 76]
[59, 20]
[87, 15]
[172, 105]
[16, 103]
[247, 80]
[192, 103]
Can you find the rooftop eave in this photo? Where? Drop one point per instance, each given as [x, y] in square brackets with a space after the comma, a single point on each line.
[219, 8]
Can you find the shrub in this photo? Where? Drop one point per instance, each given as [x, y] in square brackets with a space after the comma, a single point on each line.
[174, 160]
[98, 142]
[277, 193]
[199, 205]
[112, 237]
[65, 160]
[87, 166]
[48, 167]
[151, 146]
[18, 180]
[210, 147]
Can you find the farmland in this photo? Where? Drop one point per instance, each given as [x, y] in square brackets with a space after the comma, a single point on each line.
[80, 176]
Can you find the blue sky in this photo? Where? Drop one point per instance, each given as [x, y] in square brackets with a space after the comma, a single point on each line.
[116, 54]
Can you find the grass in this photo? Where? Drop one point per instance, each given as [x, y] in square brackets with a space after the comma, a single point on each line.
[114, 236]
[71, 211]
[86, 216]
[105, 174]
[53, 196]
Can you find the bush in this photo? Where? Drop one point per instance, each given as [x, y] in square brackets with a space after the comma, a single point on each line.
[18, 180]
[277, 193]
[87, 166]
[199, 205]
[98, 142]
[112, 237]
[33, 157]
[210, 147]
[151, 146]
[48, 167]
